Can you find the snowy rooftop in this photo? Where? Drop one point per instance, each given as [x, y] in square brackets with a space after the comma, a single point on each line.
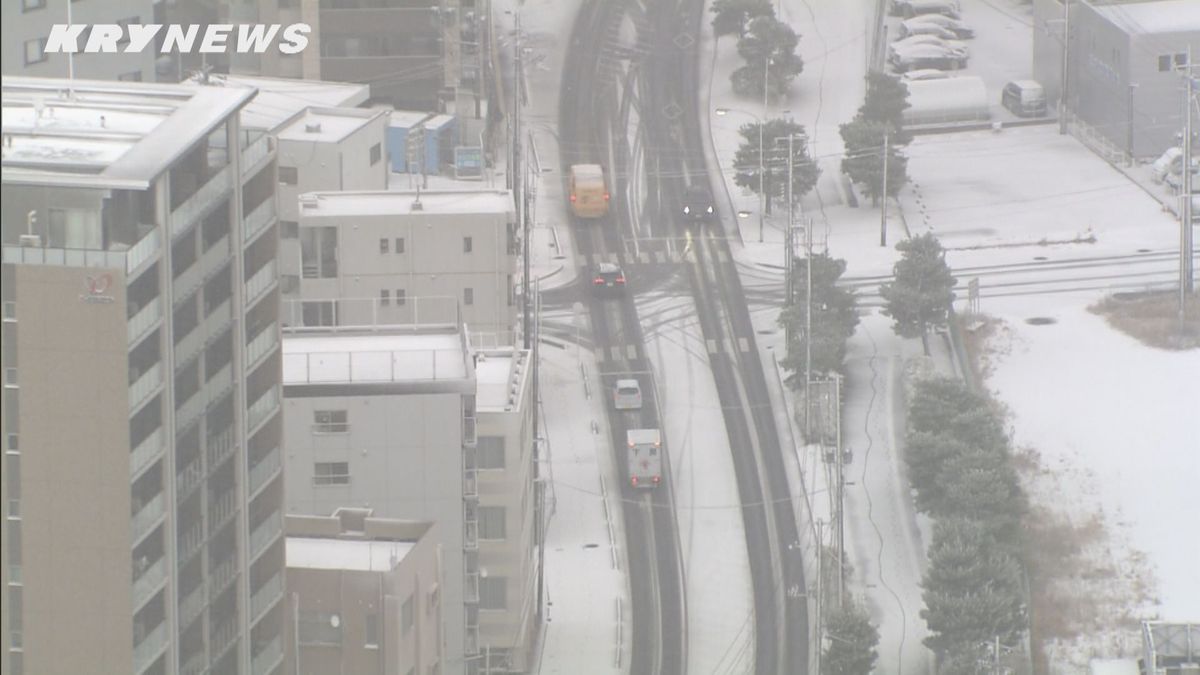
[374, 358]
[500, 379]
[407, 118]
[326, 125]
[280, 98]
[105, 134]
[1161, 16]
[343, 554]
[372, 203]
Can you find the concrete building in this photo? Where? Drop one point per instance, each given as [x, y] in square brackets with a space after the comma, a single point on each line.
[1124, 84]
[364, 594]
[385, 421]
[508, 500]
[371, 258]
[27, 25]
[280, 99]
[142, 391]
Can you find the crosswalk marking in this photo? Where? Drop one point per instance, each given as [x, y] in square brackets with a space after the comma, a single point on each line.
[644, 258]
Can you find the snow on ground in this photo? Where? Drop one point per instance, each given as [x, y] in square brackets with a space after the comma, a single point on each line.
[586, 590]
[708, 509]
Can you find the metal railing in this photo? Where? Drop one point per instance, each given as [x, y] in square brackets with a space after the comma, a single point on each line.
[140, 252]
[187, 347]
[215, 257]
[147, 517]
[267, 657]
[211, 192]
[255, 152]
[151, 580]
[195, 663]
[63, 257]
[470, 484]
[471, 588]
[187, 479]
[263, 279]
[219, 383]
[470, 535]
[192, 606]
[265, 596]
[218, 318]
[190, 543]
[220, 511]
[256, 220]
[264, 534]
[141, 323]
[144, 386]
[150, 646]
[219, 580]
[375, 366]
[219, 447]
[261, 344]
[366, 313]
[267, 467]
[191, 409]
[146, 452]
[187, 281]
[224, 636]
[263, 408]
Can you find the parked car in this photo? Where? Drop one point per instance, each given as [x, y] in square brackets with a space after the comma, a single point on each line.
[627, 395]
[1169, 162]
[960, 29]
[922, 57]
[924, 74]
[918, 27]
[954, 45]
[910, 8]
[1025, 98]
[608, 278]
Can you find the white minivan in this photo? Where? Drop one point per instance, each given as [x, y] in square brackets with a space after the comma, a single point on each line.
[1025, 98]
[627, 395]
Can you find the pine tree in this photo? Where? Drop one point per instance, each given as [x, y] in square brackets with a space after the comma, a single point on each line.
[853, 639]
[732, 16]
[922, 293]
[833, 316]
[774, 136]
[767, 38]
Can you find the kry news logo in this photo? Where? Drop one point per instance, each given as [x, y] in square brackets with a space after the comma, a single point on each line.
[217, 38]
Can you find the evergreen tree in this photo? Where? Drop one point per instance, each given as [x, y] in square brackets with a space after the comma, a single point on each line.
[922, 293]
[886, 101]
[769, 49]
[732, 16]
[833, 316]
[937, 400]
[863, 162]
[774, 142]
[925, 453]
[853, 639]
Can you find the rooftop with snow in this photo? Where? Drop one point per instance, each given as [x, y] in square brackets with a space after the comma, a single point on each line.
[500, 378]
[280, 98]
[1152, 16]
[405, 202]
[320, 553]
[100, 134]
[382, 356]
[326, 125]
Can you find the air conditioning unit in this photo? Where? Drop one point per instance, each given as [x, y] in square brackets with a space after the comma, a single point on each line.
[31, 240]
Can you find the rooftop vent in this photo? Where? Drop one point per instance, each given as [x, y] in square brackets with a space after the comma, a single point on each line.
[312, 127]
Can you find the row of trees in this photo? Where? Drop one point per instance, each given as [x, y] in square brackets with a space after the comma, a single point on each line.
[878, 126]
[834, 316]
[958, 462]
[767, 45]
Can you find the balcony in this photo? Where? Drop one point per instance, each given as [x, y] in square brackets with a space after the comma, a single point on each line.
[141, 252]
[261, 345]
[219, 580]
[266, 532]
[215, 257]
[144, 321]
[470, 438]
[262, 281]
[191, 409]
[266, 469]
[220, 510]
[195, 663]
[187, 479]
[192, 606]
[64, 257]
[470, 484]
[267, 658]
[262, 409]
[264, 598]
[150, 581]
[220, 383]
[218, 318]
[471, 535]
[258, 219]
[145, 386]
[187, 347]
[471, 588]
[254, 153]
[150, 647]
[145, 453]
[187, 282]
[224, 636]
[191, 542]
[145, 519]
[220, 446]
[201, 201]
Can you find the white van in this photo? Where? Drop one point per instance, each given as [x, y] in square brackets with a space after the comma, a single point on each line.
[1025, 98]
[627, 395]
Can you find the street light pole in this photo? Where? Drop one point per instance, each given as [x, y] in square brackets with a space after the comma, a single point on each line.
[762, 176]
[1129, 128]
[883, 211]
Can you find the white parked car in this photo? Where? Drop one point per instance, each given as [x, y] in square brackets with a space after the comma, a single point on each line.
[921, 57]
[959, 28]
[917, 27]
[957, 46]
[627, 395]
[924, 74]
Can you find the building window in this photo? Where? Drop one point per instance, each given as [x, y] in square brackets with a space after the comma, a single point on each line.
[512, 291]
[10, 310]
[289, 229]
[371, 639]
[330, 422]
[30, 5]
[287, 175]
[467, 245]
[491, 452]
[1164, 63]
[1181, 60]
[385, 298]
[10, 377]
[322, 313]
[318, 252]
[399, 244]
[331, 473]
[319, 628]
[14, 509]
[35, 51]
[401, 297]
[493, 593]
[376, 154]
[383, 245]
[406, 616]
[491, 523]
[13, 444]
[131, 76]
[468, 296]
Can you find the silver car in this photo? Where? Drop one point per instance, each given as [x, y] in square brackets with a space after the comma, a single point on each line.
[627, 395]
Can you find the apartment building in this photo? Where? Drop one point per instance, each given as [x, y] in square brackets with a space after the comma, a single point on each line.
[142, 382]
[27, 26]
[372, 258]
[365, 595]
[324, 149]
[386, 420]
[508, 504]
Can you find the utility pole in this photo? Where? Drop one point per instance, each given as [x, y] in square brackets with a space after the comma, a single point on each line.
[761, 159]
[1129, 128]
[883, 211]
[539, 484]
[820, 573]
[808, 265]
[519, 186]
[841, 483]
[1066, 71]
[1185, 210]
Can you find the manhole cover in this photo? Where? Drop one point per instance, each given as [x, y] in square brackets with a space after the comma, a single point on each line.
[1143, 250]
[765, 332]
[684, 40]
[560, 257]
[591, 545]
[1040, 257]
[1040, 321]
[672, 110]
